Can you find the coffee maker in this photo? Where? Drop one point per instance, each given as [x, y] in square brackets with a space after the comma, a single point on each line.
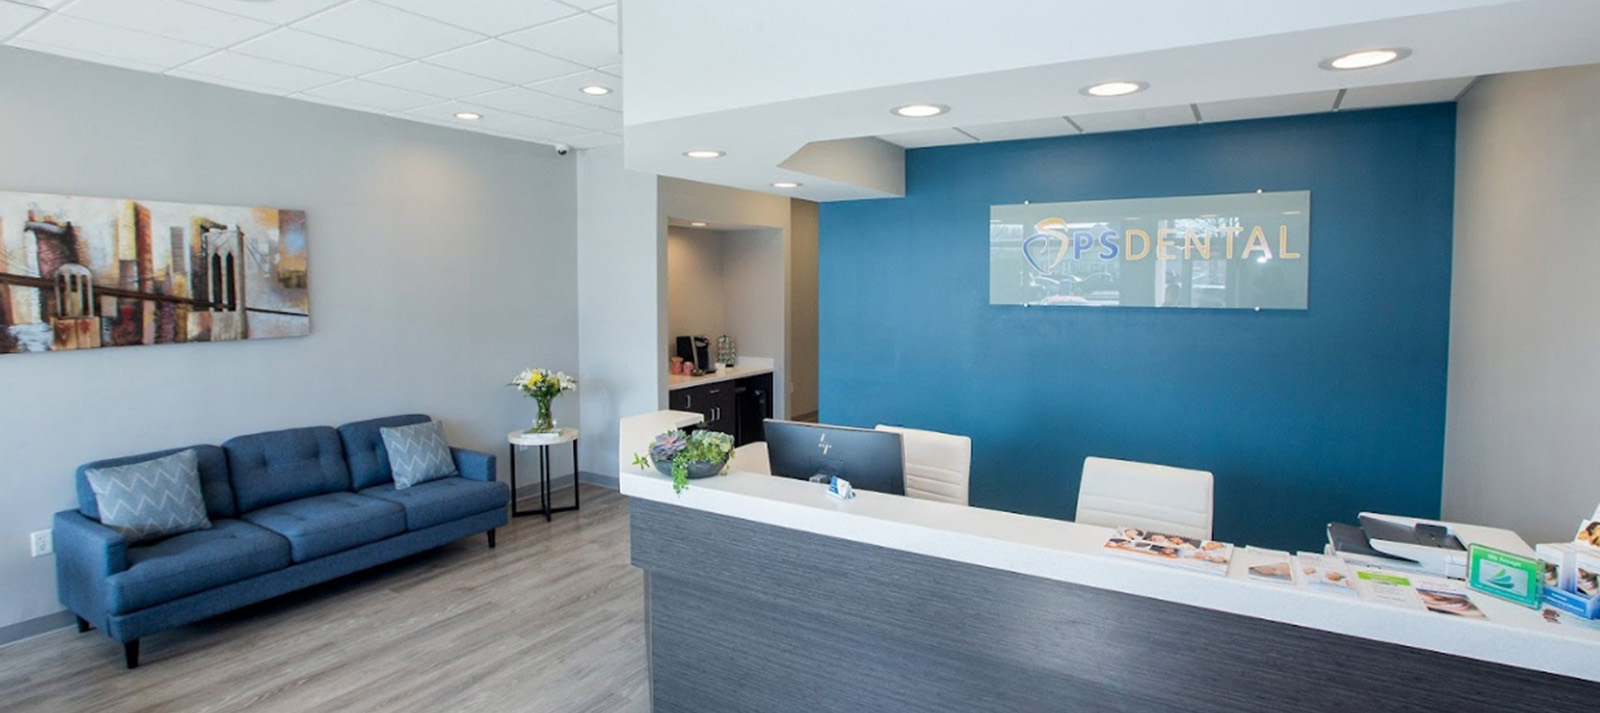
[695, 350]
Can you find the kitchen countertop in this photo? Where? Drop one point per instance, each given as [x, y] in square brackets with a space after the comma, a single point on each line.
[675, 381]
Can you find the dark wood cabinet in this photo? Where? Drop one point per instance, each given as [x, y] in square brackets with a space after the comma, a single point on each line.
[735, 407]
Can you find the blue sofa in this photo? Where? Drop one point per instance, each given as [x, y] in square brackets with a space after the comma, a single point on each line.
[289, 509]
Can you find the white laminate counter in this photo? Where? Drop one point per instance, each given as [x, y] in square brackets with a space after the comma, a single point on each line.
[1070, 552]
[675, 381]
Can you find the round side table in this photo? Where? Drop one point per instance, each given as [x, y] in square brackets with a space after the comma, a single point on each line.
[543, 441]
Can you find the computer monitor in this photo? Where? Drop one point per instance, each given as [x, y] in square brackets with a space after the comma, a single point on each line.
[870, 460]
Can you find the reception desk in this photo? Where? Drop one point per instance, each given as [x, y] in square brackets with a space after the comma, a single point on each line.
[765, 594]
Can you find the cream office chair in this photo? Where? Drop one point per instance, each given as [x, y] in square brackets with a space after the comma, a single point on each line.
[751, 458]
[1119, 493]
[938, 465]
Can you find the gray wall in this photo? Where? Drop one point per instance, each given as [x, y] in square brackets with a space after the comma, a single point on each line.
[1525, 332]
[622, 302]
[441, 262]
[695, 300]
[802, 307]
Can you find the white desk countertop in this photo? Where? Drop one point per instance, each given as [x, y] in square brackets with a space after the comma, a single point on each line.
[1070, 552]
[727, 373]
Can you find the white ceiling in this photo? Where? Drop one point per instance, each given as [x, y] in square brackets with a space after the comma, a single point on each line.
[1442, 90]
[762, 81]
[518, 63]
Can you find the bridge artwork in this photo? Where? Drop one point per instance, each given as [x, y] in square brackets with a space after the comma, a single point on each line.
[86, 273]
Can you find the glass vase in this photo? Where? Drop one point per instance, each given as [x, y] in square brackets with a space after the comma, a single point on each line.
[543, 422]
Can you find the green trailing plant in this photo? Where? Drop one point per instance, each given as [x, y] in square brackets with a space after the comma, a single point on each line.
[682, 450]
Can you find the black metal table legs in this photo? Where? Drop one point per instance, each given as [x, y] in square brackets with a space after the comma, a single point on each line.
[544, 484]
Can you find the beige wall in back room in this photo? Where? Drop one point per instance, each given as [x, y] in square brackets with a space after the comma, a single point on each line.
[695, 300]
[1524, 395]
[441, 262]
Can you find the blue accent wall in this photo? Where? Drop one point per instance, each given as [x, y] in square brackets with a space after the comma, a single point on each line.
[1304, 417]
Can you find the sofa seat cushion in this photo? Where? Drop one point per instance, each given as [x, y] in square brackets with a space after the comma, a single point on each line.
[194, 562]
[322, 525]
[440, 501]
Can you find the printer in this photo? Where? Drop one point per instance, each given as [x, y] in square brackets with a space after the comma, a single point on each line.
[1414, 545]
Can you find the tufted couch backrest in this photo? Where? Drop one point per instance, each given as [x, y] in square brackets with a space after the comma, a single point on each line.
[365, 452]
[278, 466]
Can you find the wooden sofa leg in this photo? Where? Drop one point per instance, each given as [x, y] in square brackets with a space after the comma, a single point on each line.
[491, 538]
[84, 625]
[130, 653]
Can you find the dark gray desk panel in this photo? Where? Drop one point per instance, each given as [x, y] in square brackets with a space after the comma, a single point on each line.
[747, 617]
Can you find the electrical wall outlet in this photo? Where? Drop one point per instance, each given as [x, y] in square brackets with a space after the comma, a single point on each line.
[42, 544]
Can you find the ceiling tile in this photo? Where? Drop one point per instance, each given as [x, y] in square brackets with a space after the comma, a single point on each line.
[608, 12]
[588, 4]
[491, 17]
[16, 17]
[240, 68]
[1135, 119]
[278, 12]
[381, 27]
[444, 114]
[377, 96]
[94, 39]
[570, 86]
[1263, 107]
[927, 137]
[1443, 90]
[46, 4]
[594, 117]
[318, 52]
[584, 39]
[1030, 129]
[591, 141]
[613, 69]
[505, 62]
[438, 81]
[541, 129]
[527, 102]
[170, 18]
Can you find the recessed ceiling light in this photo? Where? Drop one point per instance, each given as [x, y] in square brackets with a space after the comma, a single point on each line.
[785, 184]
[1366, 58]
[1114, 89]
[595, 90]
[920, 111]
[698, 224]
[703, 153]
[468, 115]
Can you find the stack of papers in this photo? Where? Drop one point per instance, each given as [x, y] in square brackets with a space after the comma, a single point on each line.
[1190, 553]
[1323, 574]
[1418, 592]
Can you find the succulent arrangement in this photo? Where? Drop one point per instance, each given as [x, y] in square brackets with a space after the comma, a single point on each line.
[684, 455]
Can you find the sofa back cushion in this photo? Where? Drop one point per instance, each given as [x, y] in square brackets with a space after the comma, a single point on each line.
[215, 485]
[279, 466]
[364, 450]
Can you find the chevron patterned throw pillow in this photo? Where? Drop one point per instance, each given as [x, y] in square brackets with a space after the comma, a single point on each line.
[153, 499]
[417, 453]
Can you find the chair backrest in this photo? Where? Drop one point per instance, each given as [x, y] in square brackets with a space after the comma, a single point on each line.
[938, 465]
[1119, 493]
[751, 458]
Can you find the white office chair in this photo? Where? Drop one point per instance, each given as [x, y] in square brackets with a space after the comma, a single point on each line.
[751, 458]
[938, 465]
[1119, 493]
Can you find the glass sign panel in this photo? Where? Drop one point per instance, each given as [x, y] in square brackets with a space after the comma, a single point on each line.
[1235, 251]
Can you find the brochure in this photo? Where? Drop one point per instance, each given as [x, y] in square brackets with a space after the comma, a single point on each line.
[1273, 566]
[1588, 533]
[1190, 553]
[1446, 596]
[1324, 574]
[1388, 589]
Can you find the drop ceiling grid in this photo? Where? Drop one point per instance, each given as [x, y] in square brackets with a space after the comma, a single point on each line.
[429, 56]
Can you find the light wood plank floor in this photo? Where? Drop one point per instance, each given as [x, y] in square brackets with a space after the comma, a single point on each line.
[551, 620]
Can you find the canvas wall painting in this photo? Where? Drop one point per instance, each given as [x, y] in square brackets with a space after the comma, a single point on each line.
[89, 273]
